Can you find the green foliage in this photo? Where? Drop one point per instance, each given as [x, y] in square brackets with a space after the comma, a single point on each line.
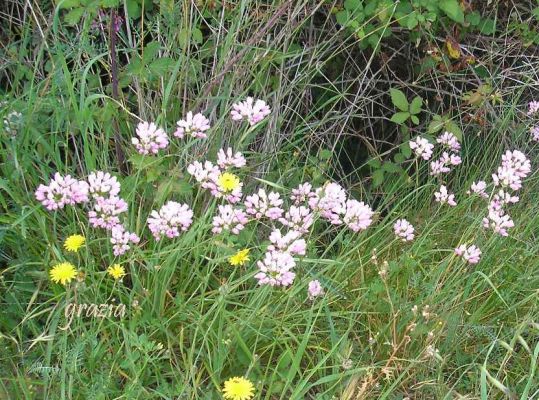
[408, 110]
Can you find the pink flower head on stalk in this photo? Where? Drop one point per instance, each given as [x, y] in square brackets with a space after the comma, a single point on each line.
[518, 162]
[478, 188]
[404, 230]
[262, 204]
[422, 147]
[444, 197]
[206, 174]
[315, 289]
[500, 199]
[447, 139]
[298, 219]
[193, 126]
[534, 130]
[106, 211]
[498, 221]
[507, 177]
[358, 215]
[438, 167]
[253, 111]
[103, 184]
[533, 107]
[229, 219]
[302, 193]
[276, 269]
[62, 191]
[150, 138]
[471, 254]
[450, 159]
[291, 242]
[121, 238]
[330, 202]
[228, 158]
[172, 218]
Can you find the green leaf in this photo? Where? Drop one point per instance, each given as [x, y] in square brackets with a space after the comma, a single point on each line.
[398, 99]
[414, 119]
[377, 177]
[352, 5]
[399, 158]
[452, 9]
[415, 105]
[452, 127]
[74, 16]
[487, 27]
[375, 163]
[390, 167]
[400, 117]
[162, 65]
[342, 17]
[68, 4]
[133, 9]
[406, 150]
[325, 154]
[435, 125]
[196, 34]
[150, 51]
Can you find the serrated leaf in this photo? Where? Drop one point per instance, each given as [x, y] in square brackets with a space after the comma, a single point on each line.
[399, 158]
[406, 150]
[133, 9]
[375, 163]
[452, 9]
[352, 5]
[414, 119]
[325, 154]
[400, 117]
[377, 177]
[162, 65]
[68, 4]
[196, 34]
[452, 127]
[150, 51]
[73, 16]
[415, 105]
[390, 167]
[399, 99]
[435, 125]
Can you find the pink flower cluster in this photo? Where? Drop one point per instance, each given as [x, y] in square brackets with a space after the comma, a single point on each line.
[298, 219]
[193, 126]
[251, 110]
[471, 254]
[229, 219]
[302, 194]
[449, 157]
[422, 148]
[106, 208]
[442, 196]
[62, 191]
[150, 138]
[514, 167]
[479, 188]
[404, 230]
[172, 218]
[121, 239]
[315, 289]
[533, 107]
[266, 205]
[208, 174]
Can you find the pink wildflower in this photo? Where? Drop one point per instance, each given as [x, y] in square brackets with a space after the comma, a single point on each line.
[302, 193]
[404, 230]
[298, 219]
[106, 211]
[253, 111]
[471, 254]
[315, 289]
[533, 107]
[262, 204]
[507, 177]
[193, 126]
[449, 140]
[62, 191]
[518, 162]
[534, 130]
[291, 242]
[438, 167]
[498, 221]
[150, 138]
[444, 197]
[121, 238]
[206, 174]
[422, 147]
[276, 269]
[228, 158]
[330, 202]
[478, 188]
[103, 184]
[229, 219]
[358, 215]
[172, 218]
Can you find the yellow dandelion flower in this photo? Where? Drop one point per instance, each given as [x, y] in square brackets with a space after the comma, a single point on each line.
[238, 388]
[74, 243]
[228, 182]
[240, 258]
[63, 273]
[116, 271]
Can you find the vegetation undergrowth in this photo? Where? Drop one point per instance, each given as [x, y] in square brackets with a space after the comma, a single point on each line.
[353, 243]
